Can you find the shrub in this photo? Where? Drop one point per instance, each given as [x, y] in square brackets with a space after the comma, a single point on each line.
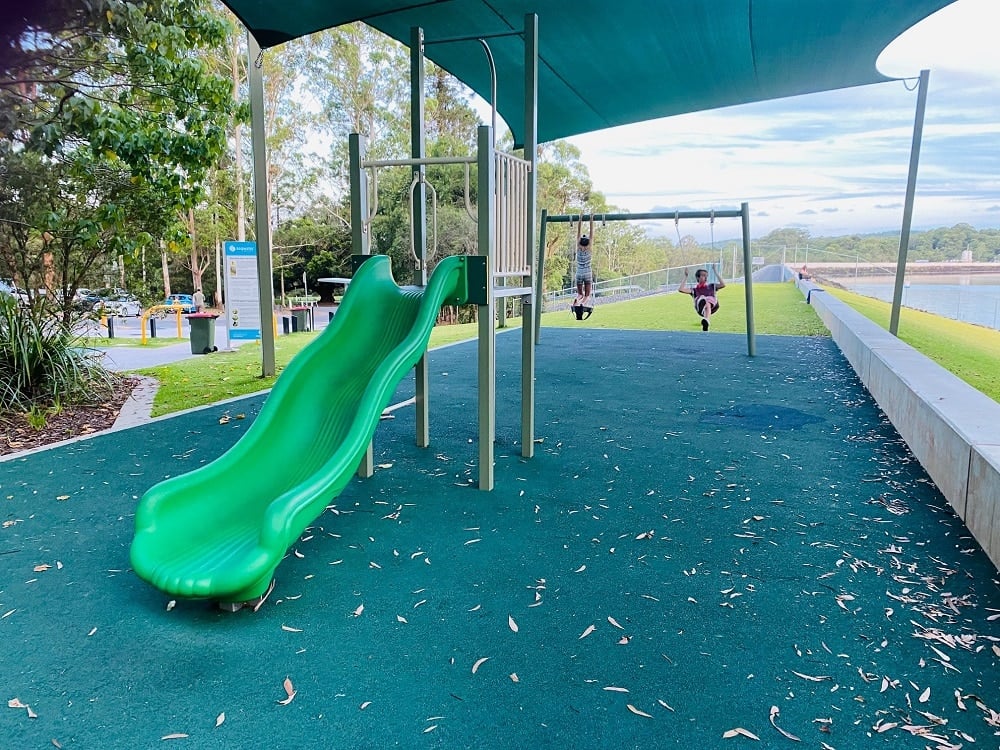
[44, 363]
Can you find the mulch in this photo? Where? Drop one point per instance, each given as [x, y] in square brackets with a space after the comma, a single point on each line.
[68, 422]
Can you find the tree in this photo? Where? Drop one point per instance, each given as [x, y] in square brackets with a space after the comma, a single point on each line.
[123, 119]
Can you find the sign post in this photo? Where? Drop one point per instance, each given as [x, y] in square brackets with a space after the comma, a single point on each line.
[242, 291]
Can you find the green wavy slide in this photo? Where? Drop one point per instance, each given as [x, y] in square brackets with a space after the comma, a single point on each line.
[220, 531]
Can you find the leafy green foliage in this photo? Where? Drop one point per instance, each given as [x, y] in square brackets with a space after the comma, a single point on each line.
[42, 362]
[113, 119]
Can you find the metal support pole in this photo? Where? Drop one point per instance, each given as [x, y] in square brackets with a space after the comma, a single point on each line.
[360, 236]
[528, 310]
[748, 280]
[911, 188]
[418, 150]
[360, 241]
[487, 333]
[540, 283]
[261, 209]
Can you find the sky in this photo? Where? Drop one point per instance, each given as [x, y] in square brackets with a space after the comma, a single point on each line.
[832, 163]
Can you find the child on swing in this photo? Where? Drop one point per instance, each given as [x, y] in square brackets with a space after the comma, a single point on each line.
[584, 266]
[705, 301]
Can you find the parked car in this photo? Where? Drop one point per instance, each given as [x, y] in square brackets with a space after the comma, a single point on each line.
[119, 305]
[186, 302]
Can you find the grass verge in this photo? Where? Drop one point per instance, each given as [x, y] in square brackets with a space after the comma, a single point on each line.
[969, 351]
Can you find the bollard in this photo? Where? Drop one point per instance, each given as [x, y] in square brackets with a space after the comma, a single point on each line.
[152, 328]
[284, 324]
[331, 317]
[111, 326]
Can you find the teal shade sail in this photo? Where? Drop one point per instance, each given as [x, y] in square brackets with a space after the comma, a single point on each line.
[603, 64]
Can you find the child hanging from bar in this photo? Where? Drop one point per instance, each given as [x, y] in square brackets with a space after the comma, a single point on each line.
[583, 303]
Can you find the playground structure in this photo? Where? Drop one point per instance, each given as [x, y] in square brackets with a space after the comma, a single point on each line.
[231, 551]
[506, 233]
[220, 531]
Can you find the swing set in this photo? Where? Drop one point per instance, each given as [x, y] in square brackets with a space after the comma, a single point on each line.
[584, 311]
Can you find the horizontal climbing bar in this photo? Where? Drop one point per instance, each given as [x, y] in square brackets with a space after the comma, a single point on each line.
[731, 213]
[419, 162]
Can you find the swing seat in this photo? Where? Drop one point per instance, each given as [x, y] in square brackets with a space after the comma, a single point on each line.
[581, 312]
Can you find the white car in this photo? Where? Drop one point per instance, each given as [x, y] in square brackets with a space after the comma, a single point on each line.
[120, 306]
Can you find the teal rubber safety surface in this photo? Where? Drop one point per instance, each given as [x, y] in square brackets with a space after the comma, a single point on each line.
[705, 546]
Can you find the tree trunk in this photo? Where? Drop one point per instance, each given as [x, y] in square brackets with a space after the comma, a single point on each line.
[196, 262]
[241, 210]
[166, 269]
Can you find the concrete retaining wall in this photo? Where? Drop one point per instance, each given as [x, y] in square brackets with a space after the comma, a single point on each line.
[951, 428]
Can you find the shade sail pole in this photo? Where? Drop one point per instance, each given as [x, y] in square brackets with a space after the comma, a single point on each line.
[261, 208]
[528, 309]
[419, 212]
[748, 280]
[487, 369]
[911, 189]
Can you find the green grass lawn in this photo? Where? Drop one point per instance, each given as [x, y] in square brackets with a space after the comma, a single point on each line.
[204, 380]
[778, 309]
[971, 352]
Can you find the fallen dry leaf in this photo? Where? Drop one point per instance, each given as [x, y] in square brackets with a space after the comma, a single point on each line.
[810, 677]
[174, 736]
[290, 691]
[514, 677]
[290, 629]
[637, 712]
[590, 629]
[41, 568]
[400, 618]
[925, 696]
[739, 732]
[511, 624]
[359, 610]
[366, 704]
[614, 622]
[775, 711]
[220, 719]
[479, 663]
